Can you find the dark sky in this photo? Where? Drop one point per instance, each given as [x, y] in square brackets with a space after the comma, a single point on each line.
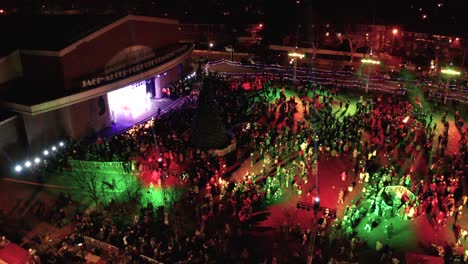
[394, 11]
[288, 11]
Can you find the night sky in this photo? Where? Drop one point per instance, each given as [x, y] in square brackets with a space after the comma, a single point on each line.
[427, 12]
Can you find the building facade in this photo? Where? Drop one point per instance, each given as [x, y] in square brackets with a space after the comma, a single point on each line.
[64, 93]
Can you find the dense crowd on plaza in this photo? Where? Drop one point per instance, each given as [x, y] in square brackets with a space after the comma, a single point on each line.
[268, 131]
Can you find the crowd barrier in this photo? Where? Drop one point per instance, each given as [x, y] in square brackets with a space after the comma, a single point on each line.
[101, 245]
[119, 167]
[113, 249]
[223, 152]
[150, 260]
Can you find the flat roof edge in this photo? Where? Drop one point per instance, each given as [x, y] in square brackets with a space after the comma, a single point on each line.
[98, 91]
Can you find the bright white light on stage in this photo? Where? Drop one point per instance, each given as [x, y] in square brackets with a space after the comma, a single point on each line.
[54, 148]
[46, 152]
[406, 119]
[27, 164]
[61, 144]
[131, 101]
[165, 73]
[37, 160]
[18, 168]
[317, 199]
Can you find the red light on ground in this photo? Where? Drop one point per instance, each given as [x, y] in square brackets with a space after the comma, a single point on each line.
[457, 39]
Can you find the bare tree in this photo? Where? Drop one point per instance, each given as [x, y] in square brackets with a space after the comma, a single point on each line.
[132, 186]
[90, 184]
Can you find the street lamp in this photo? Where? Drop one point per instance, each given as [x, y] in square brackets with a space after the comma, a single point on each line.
[211, 54]
[369, 62]
[394, 33]
[449, 72]
[295, 56]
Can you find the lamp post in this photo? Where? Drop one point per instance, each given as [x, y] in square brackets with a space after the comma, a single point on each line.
[449, 72]
[295, 56]
[369, 62]
[394, 33]
[211, 54]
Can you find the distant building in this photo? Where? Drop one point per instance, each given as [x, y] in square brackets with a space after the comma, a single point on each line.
[407, 43]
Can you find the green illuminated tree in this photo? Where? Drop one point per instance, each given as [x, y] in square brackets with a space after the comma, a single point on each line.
[132, 187]
[208, 130]
[90, 184]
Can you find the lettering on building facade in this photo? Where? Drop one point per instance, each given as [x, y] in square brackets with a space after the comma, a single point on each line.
[103, 78]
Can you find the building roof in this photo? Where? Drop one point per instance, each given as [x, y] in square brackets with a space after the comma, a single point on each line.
[13, 92]
[48, 32]
[4, 115]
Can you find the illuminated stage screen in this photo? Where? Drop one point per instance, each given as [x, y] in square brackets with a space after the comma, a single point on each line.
[129, 102]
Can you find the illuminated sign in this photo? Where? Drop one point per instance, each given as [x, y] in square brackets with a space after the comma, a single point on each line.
[450, 71]
[296, 55]
[370, 61]
[134, 69]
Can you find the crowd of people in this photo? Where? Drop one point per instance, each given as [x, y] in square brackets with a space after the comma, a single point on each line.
[287, 136]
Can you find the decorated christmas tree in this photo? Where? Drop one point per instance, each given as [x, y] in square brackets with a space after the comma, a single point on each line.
[208, 129]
